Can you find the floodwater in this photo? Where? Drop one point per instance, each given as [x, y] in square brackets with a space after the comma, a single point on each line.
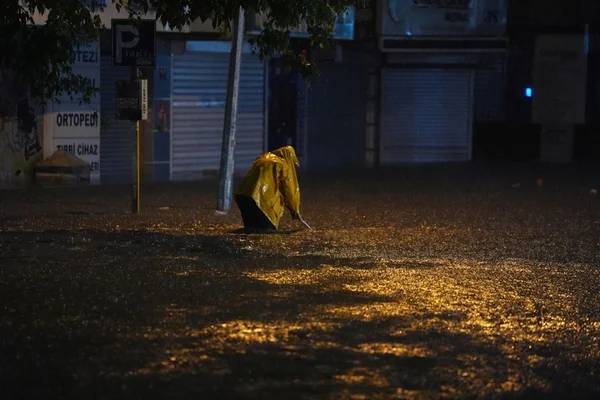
[455, 281]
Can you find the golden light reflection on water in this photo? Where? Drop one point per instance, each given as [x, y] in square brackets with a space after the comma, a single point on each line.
[396, 349]
[362, 376]
[253, 332]
[459, 322]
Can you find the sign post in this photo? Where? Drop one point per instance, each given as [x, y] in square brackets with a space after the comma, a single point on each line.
[136, 200]
[134, 46]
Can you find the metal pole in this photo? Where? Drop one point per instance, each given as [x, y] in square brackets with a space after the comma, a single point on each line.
[233, 86]
[136, 193]
[138, 167]
[136, 201]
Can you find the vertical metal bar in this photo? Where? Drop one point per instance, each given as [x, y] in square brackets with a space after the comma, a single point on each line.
[136, 194]
[136, 200]
[229, 129]
[134, 77]
[138, 167]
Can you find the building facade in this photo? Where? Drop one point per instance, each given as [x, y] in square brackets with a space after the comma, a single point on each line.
[443, 72]
[405, 81]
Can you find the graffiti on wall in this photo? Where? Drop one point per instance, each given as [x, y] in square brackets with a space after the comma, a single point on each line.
[20, 146]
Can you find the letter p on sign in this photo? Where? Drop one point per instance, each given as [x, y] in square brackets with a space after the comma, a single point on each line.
[134, 42]
[121, 43]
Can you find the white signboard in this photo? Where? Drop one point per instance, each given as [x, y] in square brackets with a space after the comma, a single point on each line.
[443, 18]
[73, 126]
[144, 98]
[86, 149]
[73, 121]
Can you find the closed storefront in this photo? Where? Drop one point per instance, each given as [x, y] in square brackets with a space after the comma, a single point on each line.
[336, 113]
[489, 90]
[198, 95]
[443, 72]
[426, 115]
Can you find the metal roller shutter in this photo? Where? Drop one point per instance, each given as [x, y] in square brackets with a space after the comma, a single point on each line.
[332, 115]
[426, 115]
[199, 85]
[116, 136]
[489, 94]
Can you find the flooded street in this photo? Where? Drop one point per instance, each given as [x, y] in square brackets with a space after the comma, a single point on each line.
[458, 281]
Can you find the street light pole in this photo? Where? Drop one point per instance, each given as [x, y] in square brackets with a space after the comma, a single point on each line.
[231, 105]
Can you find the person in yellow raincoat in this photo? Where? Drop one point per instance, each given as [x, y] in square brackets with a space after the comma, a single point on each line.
[269, 187]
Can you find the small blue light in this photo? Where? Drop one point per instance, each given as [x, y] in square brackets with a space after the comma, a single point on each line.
[529, 92]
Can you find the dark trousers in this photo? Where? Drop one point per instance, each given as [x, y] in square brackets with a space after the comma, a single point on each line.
[253, 217]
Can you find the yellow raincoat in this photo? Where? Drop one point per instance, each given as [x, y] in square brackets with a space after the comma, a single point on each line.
[270, 186]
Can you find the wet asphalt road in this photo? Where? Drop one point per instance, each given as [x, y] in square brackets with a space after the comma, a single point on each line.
[457, 281]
